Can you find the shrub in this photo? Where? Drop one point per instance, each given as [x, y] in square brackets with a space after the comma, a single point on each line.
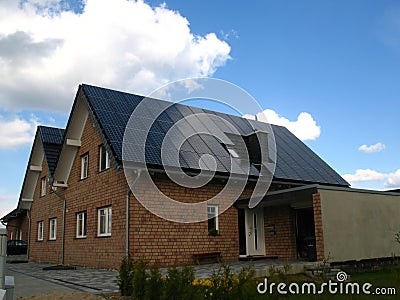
[222, 283]
[179, 284]
[155, 285]
[125, 277]
[139, 279]
[245, 286]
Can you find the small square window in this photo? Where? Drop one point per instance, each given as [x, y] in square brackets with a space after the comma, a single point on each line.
[212, 212]
[43, 186]
[40, 231]
[104, 221]
[104, 160]
[81, 224]
[52, 229]
[84, 166]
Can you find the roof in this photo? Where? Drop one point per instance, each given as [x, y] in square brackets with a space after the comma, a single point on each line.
[11, 215]
[52, 140]
[112, 110]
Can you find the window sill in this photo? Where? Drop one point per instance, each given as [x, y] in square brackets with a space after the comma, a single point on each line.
[81, 179]
[103, 236]
[52, 240]
[104, 170]
[39, 240]
[80, 237]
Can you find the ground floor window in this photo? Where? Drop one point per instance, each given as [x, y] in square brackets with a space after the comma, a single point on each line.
[81, 224]
[212, 211]
[40, 231]
[104, 221]
[52, 229]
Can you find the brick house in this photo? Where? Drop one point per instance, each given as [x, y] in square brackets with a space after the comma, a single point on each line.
[76, 206]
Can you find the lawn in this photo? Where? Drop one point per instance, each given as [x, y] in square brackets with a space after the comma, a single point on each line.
[385, 278]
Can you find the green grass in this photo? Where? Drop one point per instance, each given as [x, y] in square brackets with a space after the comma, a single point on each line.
[388, 278]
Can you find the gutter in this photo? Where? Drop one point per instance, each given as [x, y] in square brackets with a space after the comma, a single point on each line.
[127, 200]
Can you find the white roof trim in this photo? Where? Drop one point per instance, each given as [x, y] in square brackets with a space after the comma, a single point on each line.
[34, 168]
[76, 143]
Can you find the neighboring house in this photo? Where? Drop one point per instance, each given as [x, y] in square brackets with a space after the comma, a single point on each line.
[75, 197]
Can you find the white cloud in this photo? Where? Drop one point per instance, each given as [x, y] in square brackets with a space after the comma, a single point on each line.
[17, 131]
[392, 180]
[45, 51]
[305, 127]
[8, 202]
[373, 148]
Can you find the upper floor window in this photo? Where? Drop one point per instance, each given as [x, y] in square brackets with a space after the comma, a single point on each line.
[104, 162]
[104, 221]
[40, 231]
[52, 229]
[43, 186]
[212, 212]
[84, 165]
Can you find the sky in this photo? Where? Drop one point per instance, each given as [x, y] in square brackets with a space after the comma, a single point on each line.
[327, 70]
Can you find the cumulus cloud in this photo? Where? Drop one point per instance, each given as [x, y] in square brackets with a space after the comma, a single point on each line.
[305, 127]
[17, 131]
[391, 180]
[46, 50]
[378, 147]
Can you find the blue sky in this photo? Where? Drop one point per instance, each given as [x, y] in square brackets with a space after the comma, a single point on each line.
[336, 61]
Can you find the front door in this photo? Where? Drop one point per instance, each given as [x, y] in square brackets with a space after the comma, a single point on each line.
[255, 232]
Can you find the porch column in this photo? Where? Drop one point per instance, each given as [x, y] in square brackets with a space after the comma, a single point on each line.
[319, 235]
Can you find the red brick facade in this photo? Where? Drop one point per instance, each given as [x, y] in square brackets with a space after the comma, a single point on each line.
[283, 242]
[151, 237]
[17, 228]
[319, 235]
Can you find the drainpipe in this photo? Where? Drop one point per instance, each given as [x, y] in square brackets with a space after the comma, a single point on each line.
[128, 193]
[28, 214]
[62, 197]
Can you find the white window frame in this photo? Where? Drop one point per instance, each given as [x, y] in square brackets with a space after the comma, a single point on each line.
[103, 151]
[85, 166]
[106, 213]
[43, 186]
[53, 229]
[18, 234]
[81, 224]
[40, 230]
[214, 207]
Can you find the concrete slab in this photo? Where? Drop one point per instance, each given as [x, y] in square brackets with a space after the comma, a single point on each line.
[26, 285]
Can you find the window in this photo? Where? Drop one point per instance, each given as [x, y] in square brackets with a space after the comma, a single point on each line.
[53, 229]
[84, 165]
[81, 224]
[104, 221]
[18, 234]
[43, 186]
[212, 211]
[104, 162]
[40, 231]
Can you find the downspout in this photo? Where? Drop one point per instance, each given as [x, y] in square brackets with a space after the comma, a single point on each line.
[62, 197]
[128, 193]
[28, 213]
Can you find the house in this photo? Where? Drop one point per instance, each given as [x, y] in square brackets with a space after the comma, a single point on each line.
[76, 206]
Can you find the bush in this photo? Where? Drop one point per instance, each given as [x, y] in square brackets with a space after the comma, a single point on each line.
[245, 286]
[222, 283]
[179, 284]
[139, 279]
[155, 284]
[125, 277]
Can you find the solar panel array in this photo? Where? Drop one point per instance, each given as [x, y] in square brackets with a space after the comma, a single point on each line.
[52, 139]
[295, 161]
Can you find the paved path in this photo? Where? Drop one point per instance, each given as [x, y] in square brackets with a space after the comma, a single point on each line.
[31, 279]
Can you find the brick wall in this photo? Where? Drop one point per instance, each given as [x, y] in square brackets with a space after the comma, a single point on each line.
[19, 223]
[151, 237]
[283, 243]
[43, 209]
[319, 235]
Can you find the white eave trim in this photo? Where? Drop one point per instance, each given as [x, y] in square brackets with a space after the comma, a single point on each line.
[26, 200]
[35, 168]
[59, 184]
[75, 143]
